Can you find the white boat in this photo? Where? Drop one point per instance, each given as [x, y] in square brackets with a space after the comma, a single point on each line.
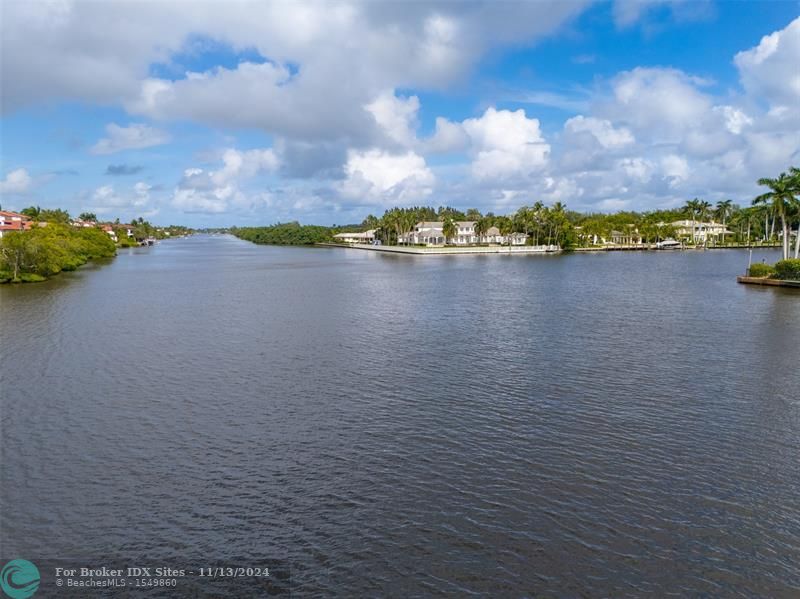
[668, 244]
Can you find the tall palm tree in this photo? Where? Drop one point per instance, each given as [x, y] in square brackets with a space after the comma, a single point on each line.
[692, 207]
[481, 227]
[794, 173]
[703, 211]
[506, 226]
[780, 198]
[449, 229]
[723, 212]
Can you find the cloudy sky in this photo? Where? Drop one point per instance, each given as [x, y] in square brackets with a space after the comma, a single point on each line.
[225, 113]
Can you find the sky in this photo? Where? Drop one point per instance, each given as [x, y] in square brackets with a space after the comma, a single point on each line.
[213, 114]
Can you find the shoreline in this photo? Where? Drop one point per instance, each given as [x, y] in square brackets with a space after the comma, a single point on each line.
[768, 282]
[521, 249]
[440, 251]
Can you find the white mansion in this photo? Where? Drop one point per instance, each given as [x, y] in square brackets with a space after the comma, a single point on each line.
[432, 233]
[701, 231]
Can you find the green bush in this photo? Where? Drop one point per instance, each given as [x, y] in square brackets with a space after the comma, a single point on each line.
[29, 277]
[285, 234]
[788, 270]
[761, 270]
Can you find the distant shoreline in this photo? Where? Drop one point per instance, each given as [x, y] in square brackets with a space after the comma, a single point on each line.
[454, 250]
[504, 249]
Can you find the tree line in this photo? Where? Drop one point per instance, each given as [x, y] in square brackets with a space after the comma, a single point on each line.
[27, 256]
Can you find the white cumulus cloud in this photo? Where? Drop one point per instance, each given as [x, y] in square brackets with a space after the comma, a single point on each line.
[771, 70]
[377, 176]
[506, 144]
[17, 181]
[133, 137]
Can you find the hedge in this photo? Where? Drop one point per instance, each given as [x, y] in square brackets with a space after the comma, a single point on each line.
[761, 270]
[788, 270]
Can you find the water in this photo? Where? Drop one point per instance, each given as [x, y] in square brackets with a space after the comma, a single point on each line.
[583, 425]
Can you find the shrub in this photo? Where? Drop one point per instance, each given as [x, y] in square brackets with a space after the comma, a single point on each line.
[788, 269]
[761, 270]
[30, 277]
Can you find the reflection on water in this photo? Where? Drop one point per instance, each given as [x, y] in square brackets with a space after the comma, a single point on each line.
[605, 424]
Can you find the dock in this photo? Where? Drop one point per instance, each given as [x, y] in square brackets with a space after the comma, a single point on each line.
[766, 281]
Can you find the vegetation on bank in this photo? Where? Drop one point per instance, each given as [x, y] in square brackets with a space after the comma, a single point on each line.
[285, 234]
[51, 241]
[140, 228]
[34, 255]
[783, 270]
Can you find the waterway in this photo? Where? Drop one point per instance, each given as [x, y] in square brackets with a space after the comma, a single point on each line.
[611, 424]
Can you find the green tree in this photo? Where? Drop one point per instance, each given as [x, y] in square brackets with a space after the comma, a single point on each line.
[449, 229]
[31, 211]
[54, 216]
[506, 226]
[692, 209]
[482, 225]
[723, 213]
[88, 216]
[780, 199]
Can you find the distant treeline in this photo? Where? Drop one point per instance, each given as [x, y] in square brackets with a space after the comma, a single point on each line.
[34, 255]
[285, 234]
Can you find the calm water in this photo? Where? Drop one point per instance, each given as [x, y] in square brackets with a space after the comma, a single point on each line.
[584, 425]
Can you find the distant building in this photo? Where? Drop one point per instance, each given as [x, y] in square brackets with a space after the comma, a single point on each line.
[629, 237]
[432, 233]
[111, 233]
[465, 232]
[83, 223]
[120, 228]
[365, 237]
[425, 233]
[700, 231]
[12, 221]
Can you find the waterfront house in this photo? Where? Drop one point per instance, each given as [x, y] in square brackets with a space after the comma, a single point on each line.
[111, 233]
[699, 231]
[465, 233]
[629, 237]
[13, 221]
[432, 233]
[83, 223]
[121, 228]
[365, 237]
[424, 233]
[517, 239]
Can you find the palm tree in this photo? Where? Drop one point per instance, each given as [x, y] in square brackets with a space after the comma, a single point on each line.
[481, 227]
[692, 207]
[449, 229]
[780, 199]
[703, 209]
[794, 172]
[505, 225]
[723, 211]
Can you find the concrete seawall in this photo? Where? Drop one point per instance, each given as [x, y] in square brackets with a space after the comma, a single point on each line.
[433, 251]
[770, 282]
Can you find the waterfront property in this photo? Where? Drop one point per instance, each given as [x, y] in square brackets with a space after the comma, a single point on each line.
[431, 233]
[365, 237]
[13, 221]
[700, 232]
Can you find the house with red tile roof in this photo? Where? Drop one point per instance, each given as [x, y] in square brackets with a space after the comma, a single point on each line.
[12, 221]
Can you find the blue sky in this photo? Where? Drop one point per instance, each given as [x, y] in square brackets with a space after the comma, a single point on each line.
[253, 113]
